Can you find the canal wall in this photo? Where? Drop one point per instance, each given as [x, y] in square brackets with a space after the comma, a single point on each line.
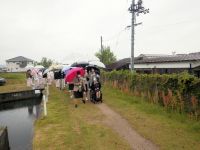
[20, 95]
[4, 144]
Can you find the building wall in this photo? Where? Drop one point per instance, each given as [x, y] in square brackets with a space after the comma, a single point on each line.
[16, 66]
[164, 65]
[192, 64]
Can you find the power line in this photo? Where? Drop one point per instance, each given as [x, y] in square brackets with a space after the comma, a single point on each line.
[115, 36]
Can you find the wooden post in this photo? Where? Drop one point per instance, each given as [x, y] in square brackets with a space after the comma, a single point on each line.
[45, 105]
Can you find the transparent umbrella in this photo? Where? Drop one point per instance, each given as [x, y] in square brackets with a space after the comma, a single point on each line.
[97, 63]
[29, 67]
[39, 67]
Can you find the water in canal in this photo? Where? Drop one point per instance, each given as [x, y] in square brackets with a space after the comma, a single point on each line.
[19, 117]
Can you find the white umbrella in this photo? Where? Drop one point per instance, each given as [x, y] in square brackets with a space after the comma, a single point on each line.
[56, 67]
[97, 63]
[39, 67]
[65, 67]
[29, 67]
[46, 71]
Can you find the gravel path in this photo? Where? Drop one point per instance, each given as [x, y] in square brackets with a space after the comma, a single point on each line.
[123, 128]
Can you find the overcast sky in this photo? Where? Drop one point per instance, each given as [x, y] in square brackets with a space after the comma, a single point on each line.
[63, 29]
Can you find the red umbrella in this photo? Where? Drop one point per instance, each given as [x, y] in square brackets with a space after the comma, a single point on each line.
[72, 74]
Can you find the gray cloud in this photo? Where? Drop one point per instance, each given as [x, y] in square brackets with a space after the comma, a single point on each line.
[58, 29]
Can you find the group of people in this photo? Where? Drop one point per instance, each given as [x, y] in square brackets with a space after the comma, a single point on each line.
[87, 86]
[35, 79]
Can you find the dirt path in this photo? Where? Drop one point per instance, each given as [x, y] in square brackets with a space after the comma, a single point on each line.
[122, 127]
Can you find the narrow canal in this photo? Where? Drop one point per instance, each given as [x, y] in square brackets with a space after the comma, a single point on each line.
[19, 117]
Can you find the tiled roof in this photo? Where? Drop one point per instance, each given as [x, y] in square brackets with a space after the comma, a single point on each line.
[118, 64]
[142, 59]
[170, 58]
[19, 59]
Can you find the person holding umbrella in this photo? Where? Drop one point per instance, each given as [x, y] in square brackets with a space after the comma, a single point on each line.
[78, 88]
[29, 78]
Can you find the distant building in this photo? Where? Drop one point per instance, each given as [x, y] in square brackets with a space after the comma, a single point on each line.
[18, 64]
[3, 68]
[161, 63]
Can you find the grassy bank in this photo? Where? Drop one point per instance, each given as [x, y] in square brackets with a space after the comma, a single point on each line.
[14, 82]
[66, 127]
[168, 130]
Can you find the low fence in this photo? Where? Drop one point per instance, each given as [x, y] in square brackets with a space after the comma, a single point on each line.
[176, 92]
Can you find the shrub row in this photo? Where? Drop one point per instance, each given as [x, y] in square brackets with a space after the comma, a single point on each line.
[175, 92]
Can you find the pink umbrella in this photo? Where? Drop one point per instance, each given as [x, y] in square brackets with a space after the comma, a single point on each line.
[72, 74]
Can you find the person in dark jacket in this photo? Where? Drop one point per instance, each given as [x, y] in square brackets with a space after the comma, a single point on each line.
[96, 87]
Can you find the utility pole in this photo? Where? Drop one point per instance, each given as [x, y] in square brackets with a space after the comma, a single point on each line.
[132, 36]
[101, 49]
[135, 9]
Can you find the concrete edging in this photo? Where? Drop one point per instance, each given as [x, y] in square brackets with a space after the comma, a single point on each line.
[20, 95]
[4, 143]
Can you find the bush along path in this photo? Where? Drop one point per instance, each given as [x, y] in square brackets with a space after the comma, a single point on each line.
[175, 92]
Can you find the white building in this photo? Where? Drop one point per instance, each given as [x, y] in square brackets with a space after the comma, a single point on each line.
[18, 64]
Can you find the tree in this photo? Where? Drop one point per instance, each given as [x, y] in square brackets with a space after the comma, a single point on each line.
[45, 62]
[106, 56]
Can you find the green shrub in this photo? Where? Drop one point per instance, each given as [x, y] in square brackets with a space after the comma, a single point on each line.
[176, 92]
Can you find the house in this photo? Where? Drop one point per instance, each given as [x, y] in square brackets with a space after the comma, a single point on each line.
[161, 63]
[3, 68]
[18, 64]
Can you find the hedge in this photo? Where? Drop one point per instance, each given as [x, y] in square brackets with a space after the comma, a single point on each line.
[175, 92]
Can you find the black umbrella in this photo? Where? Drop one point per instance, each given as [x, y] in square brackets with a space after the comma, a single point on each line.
[96, 69]
[80, 64]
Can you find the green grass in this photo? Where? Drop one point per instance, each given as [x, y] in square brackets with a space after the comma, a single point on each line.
[67, 127]
[169, 130]
[14, 82]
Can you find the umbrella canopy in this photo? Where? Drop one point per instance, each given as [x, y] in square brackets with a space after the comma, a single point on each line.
[39, 67]
[29, 67]
[96, 69]
[66, 66]
[72, 74]
[97, 63]
[66, 70]
[56, 67]
[80, 64]
[46, 71]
